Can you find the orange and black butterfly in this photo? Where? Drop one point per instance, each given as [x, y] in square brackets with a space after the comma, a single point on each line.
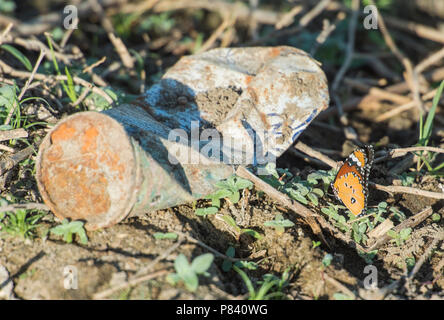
[350, 184]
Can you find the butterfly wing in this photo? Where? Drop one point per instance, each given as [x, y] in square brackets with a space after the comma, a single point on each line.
[349, 187]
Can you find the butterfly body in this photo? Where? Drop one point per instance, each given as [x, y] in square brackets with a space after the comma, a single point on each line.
[351, 181]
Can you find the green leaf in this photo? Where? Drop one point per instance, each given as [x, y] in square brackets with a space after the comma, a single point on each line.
[313, 198]
[341, 296]
[249, 265]
[252, 233]
[436, 217]
[168, 235]
[234, 197]
[243, 184]
[405, 233]
[219, 194]
[181, 265]
[19, 56]
[326, 261]
[190, 279]
[206, 211]
[427, 130]
[230, 221]
[201, 263]
[296, 195]
[8, 94]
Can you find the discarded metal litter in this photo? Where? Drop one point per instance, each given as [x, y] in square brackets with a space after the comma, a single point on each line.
[208, 114]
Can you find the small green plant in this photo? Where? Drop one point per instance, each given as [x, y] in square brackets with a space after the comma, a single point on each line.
[399, 237]
[20, 223]
[230, 221]
[68, 228]
[436, 217]
[407, 178]
[228, 189]
[326, 261]
[368, 256]
[167, 235]
[68, 86]
[410, 263]
[315, 244]
[271, 286]
[341, 296]
[228, 264]
[279, 223]
[188, 273]
[332, 212]
[425, 132]
[18, 55]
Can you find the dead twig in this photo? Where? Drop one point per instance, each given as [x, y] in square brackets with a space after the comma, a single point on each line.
[411, 222]
[13, 134]
[26, 206]
[9, 162]
[401, 189]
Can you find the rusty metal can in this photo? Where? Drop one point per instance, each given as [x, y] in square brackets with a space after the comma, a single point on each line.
[248, 104]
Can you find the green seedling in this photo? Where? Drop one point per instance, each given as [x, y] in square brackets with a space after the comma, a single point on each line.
[326, 177]
[332, 212]
[279, 223]
[188, 273]
[228, 264]
[230, 221]
[326, 261]
[68, 86]
[7, 6]
[269, 283]
[18, 55]
[341, 296]
[410, 263]
[228, 189]
[407, 178]
[20, 223]
[167, 235]
[315, 244]
[368, 256]
[304, 192]
[400, 237]
[68, 228]
[436, 217]
[398, 214]
[425, 132]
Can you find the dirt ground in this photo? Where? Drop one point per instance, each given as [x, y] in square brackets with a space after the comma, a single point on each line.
[36, 267]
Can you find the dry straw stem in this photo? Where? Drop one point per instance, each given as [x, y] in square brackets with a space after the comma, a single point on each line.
[408, 106]
[303, 22]
[416, 28]
[26, 206]
[10, 161]
[13, 134]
